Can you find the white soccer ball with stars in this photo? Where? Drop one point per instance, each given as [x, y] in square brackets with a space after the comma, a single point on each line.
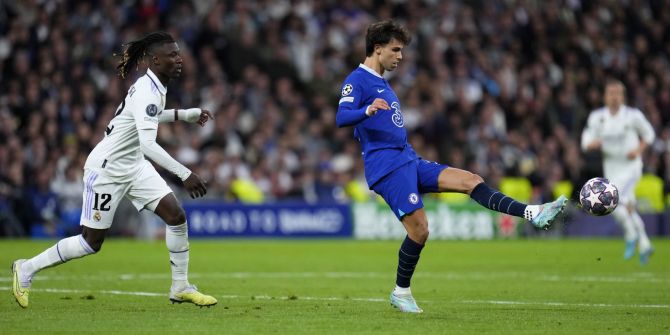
[598, 196]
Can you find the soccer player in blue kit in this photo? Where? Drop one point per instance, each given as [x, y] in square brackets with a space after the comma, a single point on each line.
[392, 168]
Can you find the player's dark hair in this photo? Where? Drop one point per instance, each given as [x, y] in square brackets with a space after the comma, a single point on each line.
[382, 32]
[135, 50]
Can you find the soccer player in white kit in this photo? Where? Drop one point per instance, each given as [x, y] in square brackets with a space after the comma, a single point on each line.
[622, 133]
[116, 168]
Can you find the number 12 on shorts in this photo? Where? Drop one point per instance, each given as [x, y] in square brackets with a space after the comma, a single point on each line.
[105, 198]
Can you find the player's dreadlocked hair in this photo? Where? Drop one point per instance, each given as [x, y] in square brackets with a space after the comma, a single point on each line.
[382, 32]
[135, 50]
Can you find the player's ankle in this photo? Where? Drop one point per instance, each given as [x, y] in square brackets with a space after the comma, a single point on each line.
[402, 290]
[532, 211]
[178, 285]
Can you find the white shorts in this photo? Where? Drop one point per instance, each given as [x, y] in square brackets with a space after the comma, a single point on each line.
[625, 182]
[103, 194]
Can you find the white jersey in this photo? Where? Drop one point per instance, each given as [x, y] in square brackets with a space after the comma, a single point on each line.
[620, 134]
[131, 134]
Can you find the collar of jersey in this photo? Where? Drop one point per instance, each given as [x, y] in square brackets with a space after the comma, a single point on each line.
[156, 82]
[619, 112]
[366, 68]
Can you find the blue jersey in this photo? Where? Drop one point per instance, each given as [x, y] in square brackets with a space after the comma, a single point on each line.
[382, 136]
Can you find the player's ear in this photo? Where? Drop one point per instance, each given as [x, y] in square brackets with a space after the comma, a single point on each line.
[378, 49]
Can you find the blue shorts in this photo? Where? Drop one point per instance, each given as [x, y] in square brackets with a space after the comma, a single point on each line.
[402, 187]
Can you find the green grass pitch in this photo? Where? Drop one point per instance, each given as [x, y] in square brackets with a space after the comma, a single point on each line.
[342, 287]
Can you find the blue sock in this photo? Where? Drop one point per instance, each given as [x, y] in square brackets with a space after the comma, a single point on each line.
[408, 257]
[493, 199]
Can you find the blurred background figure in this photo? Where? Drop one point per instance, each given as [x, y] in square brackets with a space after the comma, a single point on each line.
[622, 134]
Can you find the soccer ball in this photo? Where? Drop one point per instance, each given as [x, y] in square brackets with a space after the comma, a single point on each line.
[598, 196]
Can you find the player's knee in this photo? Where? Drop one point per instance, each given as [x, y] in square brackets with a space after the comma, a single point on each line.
[177, 218]
[420, 232]
[94, 241]
[471, 181]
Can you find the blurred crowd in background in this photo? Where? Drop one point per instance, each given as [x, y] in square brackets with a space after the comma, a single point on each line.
[498, 87]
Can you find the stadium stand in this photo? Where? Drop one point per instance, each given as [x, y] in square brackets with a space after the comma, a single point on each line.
[500, 88]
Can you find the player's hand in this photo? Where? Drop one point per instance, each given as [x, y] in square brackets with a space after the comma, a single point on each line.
[595, 145]
[378, 104]
[633, 154]
[195, 186]
[205, 115]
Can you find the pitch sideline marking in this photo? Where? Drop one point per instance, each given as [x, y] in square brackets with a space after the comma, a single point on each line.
[560, 304]
[450, 276]
[267, 297]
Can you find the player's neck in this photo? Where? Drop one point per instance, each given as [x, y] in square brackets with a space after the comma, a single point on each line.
[614, 110]
[163, 78]
[374, 64]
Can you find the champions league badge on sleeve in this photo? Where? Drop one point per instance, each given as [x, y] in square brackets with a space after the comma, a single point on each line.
[347, 89]
[152, 110]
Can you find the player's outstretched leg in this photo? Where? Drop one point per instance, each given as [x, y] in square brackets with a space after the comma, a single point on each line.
[61, 252]
[548, 213]
[457, 180]
[20, 288]
[541, 216]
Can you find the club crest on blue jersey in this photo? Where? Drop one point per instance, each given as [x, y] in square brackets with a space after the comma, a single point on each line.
[396, 117]
[413, 198]
[152, 110]
[347, 89]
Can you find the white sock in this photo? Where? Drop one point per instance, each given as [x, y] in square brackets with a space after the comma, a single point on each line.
[61, 252]
[401, 290]
[644, 243]
[622, 216]
[176, 239]
[531, 211]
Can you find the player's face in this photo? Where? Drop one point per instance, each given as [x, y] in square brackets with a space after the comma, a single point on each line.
[390, 54]
[168, 60]
[614, 95]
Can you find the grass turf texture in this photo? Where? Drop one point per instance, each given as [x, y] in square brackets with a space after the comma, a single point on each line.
[318, 287]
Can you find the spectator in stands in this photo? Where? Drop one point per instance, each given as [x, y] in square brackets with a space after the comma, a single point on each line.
[533, 63]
